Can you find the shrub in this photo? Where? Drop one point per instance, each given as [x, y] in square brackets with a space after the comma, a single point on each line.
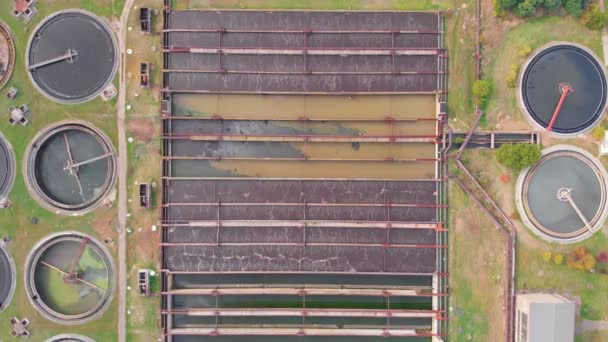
[593, 18]
[580, 252]
[518, 156]
[512, 75]
[514, 215]
[558, 259]
[589, 262]
[579, 259]
[547, 256]
[524, 51]
[482, 90]
[598, 133]
[458, 140]
[603, 257]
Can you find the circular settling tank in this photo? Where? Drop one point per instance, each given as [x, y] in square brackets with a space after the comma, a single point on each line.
[7, 54]
[563, 89]
[563, 197]
[70, 278]
[71, 56]
[7, 167]
[69, 338]
[70, 167]
[7, 278]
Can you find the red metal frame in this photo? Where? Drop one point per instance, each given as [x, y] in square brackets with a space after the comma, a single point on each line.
[307, 291]
[565, 90]
[439, 315]
[307, 31]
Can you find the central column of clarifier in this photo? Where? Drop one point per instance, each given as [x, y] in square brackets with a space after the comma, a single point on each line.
[565, 90]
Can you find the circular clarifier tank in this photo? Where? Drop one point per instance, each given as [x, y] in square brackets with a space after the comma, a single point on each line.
[7, 54]
[544, 79]
[7, 167]
[70, 167]
[69, 338]
[563, 197]
[72, 56]
[70, 278]
[7, 278]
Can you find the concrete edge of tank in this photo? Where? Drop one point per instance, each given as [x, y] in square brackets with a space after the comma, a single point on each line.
[33, 190]
[13, 270]
[13, 167]
[6, 30]
[520, 100]
[522, 212]
[28, 271]
[69, 336]
[102, 21]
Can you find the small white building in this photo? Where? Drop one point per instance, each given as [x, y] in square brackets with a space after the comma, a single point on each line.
[542, 317]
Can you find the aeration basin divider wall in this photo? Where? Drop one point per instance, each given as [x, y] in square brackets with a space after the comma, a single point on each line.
[302, 188]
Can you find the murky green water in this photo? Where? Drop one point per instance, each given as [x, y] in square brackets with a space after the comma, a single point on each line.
[66, 297]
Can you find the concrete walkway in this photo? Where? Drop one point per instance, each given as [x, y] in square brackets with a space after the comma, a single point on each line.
[122, 178]
[604, 35]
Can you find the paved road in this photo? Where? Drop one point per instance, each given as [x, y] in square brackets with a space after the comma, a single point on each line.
[122, 179]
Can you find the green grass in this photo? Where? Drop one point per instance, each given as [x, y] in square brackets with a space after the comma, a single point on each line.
[533, 33]
[593, 336]
[15, 221]
[474, 270]
[563, 279]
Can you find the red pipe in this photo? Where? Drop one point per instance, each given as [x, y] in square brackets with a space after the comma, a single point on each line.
[565, 90]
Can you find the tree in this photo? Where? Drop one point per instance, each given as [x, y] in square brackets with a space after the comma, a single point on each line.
[482, 90]
[593, 18]
[552, 4]
[506, 4]
[547, 256]
[574, 7]
[518, 156]
[526, 8]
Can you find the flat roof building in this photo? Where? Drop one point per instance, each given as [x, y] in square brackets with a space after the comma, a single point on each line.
[542, 317]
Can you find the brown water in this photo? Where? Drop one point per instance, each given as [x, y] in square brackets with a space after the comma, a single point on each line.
[360, 160]
[293, 107]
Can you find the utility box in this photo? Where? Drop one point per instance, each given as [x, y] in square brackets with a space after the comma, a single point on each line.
[145, 195]
[143, 282]
[144, 75]
[145, 20]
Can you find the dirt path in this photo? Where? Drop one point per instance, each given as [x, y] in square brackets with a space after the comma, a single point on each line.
[122, 179]
[587, 325]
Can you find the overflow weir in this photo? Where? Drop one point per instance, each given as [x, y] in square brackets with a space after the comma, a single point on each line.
[303, 178]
